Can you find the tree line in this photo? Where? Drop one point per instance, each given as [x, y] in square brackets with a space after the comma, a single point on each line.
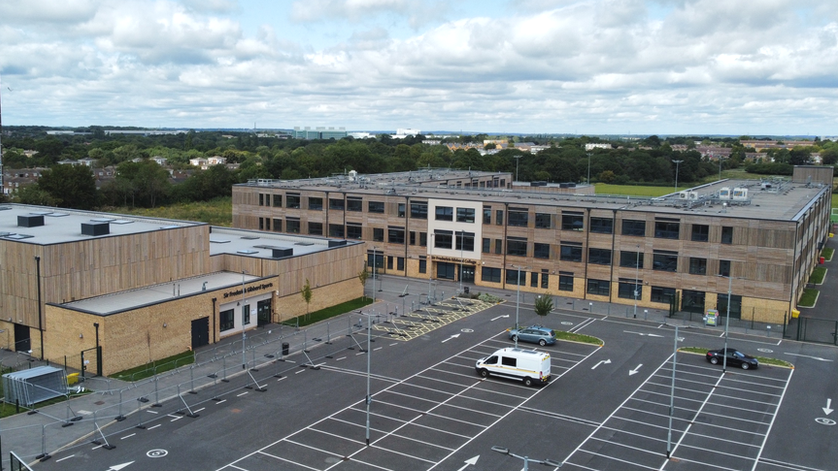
[142, 182]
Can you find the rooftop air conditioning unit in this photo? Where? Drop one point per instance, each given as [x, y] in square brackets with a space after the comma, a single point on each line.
[683, 195]
[740, 194]
[724, 193]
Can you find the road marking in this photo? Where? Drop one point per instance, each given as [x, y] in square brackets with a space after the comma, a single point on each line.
[299, 371]
[97, 447]
[471, 462]
[152, 411]
[828, 409]
[642, 334]
[65, 458]
[241, 394]
[341, 358]
[199, 410]
[636, 370]
[808, 356]
[128, 436]
[176, 419]
[451, 337]
[602, 362]
[154, 427]
[377, 349]
[221, 401]
[500, 317]
[117, 467]
[825, 421]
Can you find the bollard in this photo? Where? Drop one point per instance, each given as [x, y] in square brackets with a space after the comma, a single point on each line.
[768, 331]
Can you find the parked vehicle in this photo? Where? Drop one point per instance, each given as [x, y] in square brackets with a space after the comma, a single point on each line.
[530, 366]
[534, 334]
[734, 358]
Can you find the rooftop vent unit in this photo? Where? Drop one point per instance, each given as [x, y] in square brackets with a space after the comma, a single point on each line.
[95, 228]
[740, 194]
[724, 193]
[31, 220]
[280, 252]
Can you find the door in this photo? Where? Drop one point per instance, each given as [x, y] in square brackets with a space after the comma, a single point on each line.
[22, 341]
[263, 312]
[466, 273]
[200, 332]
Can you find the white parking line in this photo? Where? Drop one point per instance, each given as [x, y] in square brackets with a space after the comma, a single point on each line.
[127, 436]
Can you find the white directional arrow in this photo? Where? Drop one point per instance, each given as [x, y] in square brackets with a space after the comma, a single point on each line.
[642, 334]
[452, 337]
[634, 371]
[117, 467]
[603, 362]
[808, 356]
[500, 317]
[469, 462]
[828, 409]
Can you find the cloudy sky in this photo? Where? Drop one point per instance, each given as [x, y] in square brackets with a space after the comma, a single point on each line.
[530, 66]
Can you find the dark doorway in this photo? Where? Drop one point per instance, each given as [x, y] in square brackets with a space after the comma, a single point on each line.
[200, 332]
[263, 312]
[445, 271]
[466, 273]
[22, 341]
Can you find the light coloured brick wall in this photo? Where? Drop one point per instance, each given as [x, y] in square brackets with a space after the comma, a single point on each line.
[291, 306]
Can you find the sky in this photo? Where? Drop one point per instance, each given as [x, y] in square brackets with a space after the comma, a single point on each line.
[594, 67]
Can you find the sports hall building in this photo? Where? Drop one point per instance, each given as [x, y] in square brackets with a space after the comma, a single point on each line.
[135, 289]
[757, 240]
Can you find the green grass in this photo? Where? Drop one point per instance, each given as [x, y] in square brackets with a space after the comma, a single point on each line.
[827, 253]
[817, 276]
[8, 409]
[333, 311]
[808, 298]
[218, 211]
[762, 360]
[155, 367]
[562, 335]
[633, 190]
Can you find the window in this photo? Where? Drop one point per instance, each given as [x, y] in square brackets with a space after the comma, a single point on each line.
[375, 206]
[262, 223]
[226, 320]
[599, 256]
[487, 245]
[540, 250]
[487, 215]
[423, 265]
[545, 279]
[631, 259]
[727, 235]
[389, 262]
[292, 225]
[701, 233]
[565, 282]
[572, 221]
[336, 204]
[354, 204]
[667, 229]
[277, 225]
[698, 266]
[412, 238]
[400, 263]
[395, 235]
[543, 221]
[498, 246]
[277, 201]
[444, 213]
[465, 214]
[662, 295]
[602, 225]
[512, 277]
[443, 239]
[534, 280]
[665, 261]
[464, 241]
[336, 230]
[354, 231]
[735, 305]
[378, 234]
[571, 253]
[628, 289]
[599, 287]
[518, 217]
[511, 362]
[377, 262]
[499, 217]
[315, 228]
[423, 239]
[634, 228]
[419, 210]
[491, 275]
[401, 210]
[516, 246]
[246, 314]
[724, 267]
[262, 200]
[315, 204]
[292, 200]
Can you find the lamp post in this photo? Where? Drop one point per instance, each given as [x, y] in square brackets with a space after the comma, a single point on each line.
[244, 334]
[369, 358]
[462, 243]
[374, 259]
[527, 460]
[677, 167]
[517, 160]
[589, 169]
[727, 319]
[517, 301]
[636, 278]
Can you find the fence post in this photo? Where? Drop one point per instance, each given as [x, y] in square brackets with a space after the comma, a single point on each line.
[156, 397]
[120, 417]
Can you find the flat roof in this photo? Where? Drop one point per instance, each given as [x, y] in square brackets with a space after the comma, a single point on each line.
[65, 225]
[260, 244]
[777, 199]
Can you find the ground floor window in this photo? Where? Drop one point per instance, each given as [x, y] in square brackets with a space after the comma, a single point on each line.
[735, 306]
[227, 320]
[565, 283]
[599, 287]
[490, 275]
[662, 295]
[423, 265]
[445, 271]
[692, 301]
[629, 290]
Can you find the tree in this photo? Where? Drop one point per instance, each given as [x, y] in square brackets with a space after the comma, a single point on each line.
[543, 305]
[363, 276]
[306, 293]
[70, 186]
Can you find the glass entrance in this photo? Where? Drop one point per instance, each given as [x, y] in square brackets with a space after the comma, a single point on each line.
[466, 273]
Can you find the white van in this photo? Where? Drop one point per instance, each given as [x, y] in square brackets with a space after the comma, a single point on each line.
[529, 366]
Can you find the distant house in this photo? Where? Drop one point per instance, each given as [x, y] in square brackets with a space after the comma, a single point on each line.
[205, 163]
[161, 161]
[597, 145]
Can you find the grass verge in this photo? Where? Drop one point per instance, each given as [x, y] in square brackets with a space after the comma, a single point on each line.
[762, 360]
[562, 335]
[827, 253]
[159, 366]
[329, 312]
[817, 276]
[8, 409]
[809, 297]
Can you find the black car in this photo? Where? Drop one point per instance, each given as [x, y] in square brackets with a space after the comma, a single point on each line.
[734, 358]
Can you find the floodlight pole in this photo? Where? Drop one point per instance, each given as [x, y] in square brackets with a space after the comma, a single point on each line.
[244, 334]
[677, 167]
[374, 259]
[672, 396]
[462, 242]
[636, 277]
[517, 302]
[727, 321]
